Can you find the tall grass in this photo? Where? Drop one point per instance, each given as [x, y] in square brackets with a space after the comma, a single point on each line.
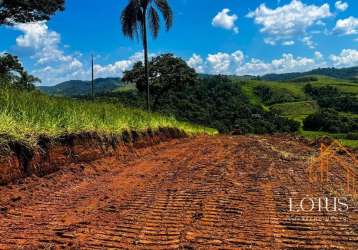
[26, 115]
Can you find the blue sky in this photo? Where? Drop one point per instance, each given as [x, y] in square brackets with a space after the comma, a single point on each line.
[213, 36]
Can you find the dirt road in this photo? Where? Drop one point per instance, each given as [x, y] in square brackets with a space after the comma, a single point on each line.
[201, 193]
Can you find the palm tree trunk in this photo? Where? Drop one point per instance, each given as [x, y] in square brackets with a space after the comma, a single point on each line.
[146, 64]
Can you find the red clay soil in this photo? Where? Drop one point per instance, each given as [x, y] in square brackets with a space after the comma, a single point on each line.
[195, 193]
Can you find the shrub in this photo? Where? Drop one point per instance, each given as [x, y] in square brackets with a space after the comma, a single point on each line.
[352, 136]
[269, 96]
[330, 120]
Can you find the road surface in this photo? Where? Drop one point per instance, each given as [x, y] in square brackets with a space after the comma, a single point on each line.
[196, 193]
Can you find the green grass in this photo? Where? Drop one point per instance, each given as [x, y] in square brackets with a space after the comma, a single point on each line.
[125, 88]
[296, 109]
[341, 137]
[342, 85]
[25, 116]
[299, 110]
[294, 89]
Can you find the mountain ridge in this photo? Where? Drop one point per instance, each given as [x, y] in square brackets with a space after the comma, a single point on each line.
[82, 88]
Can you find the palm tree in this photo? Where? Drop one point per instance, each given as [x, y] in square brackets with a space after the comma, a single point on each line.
[27, 81]
[134, 23]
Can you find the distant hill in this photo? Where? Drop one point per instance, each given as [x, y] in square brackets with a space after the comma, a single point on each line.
[82, 88]
[344, 73]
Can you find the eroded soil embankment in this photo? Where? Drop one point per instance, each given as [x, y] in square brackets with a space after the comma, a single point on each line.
[19, 160]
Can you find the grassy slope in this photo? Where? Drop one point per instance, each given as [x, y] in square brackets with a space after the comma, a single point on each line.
[24, 116]
[300, 109]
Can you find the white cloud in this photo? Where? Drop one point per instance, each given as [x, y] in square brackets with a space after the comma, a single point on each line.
[288, 43]
[307, 40]
[44, 42]
[117, 68]
[270, 41]
[287, 63]
[223, 63]
[318, 55]
[348, 26]
[234, 64]
[347, 58]
[196, 62]
[53, 65]
[226, 21]
[289, 20]
[341, 6]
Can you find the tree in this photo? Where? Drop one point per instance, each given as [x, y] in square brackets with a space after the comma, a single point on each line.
[24, 11]
[166, 72]
[10, 67]
[13, 74]
[134, 24]
[27, 81]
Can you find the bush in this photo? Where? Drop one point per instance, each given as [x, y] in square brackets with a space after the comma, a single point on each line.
[330, 120]
[330, 97]
[305, 79]
[352, 136]
[269, 97]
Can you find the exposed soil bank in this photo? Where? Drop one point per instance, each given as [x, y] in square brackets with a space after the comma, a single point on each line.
[18, 160]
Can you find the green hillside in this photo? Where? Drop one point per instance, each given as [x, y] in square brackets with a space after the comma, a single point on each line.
[289, 98]
[343, 73]
[26, 115]
[82, 88]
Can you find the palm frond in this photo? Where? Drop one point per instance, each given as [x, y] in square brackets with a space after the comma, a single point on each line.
[167, 12]
[154, 22]
[129, 19]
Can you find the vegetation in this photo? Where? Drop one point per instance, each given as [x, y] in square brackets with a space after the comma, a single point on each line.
[330, 97]
[26, 115]
[345, 73]
[269, 96]
[296, 110]
[326, 92]
[12, 74]
[330, 120]
[167, 73]
[277, 91]
[20, 11]
[134, 22]
[77, 88]
[213, 101]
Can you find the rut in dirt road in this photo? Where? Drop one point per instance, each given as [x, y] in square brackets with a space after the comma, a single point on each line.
[201, 193]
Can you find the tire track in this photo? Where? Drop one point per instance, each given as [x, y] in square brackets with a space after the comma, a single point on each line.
[202, 193]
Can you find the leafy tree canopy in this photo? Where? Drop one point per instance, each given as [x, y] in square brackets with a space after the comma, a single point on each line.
[167, 73]
[13, 74]
[24, 11]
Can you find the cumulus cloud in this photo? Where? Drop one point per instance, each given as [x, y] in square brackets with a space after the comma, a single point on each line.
[348, 26]
[196, 62]
[223, 63]
[287, 63]
[45, 43]
[218, 63]
[117, 68]
[284, 22]
[347, 58]
[226, 21]
[288, 43]
[235, 64]
[341, 6]
[307, 40]
[318, 55]
[53, 65]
